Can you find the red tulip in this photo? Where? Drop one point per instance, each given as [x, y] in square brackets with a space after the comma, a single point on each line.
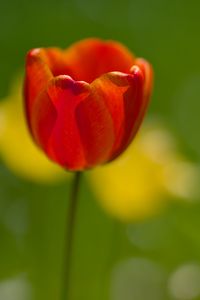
[85, 104]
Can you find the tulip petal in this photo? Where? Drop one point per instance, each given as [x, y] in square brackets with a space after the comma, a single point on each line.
[96, 129]
[43, 120]
[38, 75]
[41, 66]
[122, 94]
[91, 58]
[82, 134]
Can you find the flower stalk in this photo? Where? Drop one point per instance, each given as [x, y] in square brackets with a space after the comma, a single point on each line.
[70, 230]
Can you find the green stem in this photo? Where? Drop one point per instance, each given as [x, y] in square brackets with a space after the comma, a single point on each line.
[70, 236]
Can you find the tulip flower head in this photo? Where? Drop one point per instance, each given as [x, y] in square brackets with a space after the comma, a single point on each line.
[85, 104]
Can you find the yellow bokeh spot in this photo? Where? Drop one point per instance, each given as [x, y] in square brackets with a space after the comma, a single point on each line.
[137, 184]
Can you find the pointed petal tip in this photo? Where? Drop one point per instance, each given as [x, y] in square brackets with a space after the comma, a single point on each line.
[121, 79]
[34, 51]
[135, 70]
[33, 54]
[143, 65]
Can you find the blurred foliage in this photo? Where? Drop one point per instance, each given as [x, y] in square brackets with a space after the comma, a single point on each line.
[32, 216]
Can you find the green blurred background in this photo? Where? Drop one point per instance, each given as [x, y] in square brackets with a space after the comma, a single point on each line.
[111, 261]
